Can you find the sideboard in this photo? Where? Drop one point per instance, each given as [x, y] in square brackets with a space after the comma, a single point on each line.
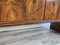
[16, 12]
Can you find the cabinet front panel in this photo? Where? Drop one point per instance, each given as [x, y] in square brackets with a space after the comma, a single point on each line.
[11, 11]
[14, 12]
[34, 10]
[58, 10]
[51, 7]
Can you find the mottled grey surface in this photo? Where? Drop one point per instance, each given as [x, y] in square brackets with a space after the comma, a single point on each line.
[33, 36]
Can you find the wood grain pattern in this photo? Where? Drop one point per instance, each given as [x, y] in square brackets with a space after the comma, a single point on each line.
[51, 9]
[28, 11]
[35, 10]
[58, 11]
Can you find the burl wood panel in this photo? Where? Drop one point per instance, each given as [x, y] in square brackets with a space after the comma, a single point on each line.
[14, 12]
[11, 10]
[34, 10]
[58, 10]
[51, 9]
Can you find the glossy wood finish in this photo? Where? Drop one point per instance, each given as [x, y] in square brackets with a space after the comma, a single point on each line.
[14, 12]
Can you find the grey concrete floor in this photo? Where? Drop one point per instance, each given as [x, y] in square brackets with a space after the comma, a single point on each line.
[30, 36]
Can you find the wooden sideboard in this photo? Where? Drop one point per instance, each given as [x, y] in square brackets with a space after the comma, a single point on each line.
[13, 12]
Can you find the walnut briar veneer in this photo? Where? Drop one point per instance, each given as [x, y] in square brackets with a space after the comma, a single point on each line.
[14, 12]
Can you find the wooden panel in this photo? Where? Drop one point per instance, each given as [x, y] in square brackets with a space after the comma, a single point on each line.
[35, 10]
[51, 9]
[22, 10]
[14, 12]
[11, 11]
[58, 10]
[0, 12]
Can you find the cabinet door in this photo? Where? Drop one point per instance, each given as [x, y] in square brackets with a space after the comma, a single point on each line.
[58, 10]
[11, 11]
[51, 9]
[34, 10]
